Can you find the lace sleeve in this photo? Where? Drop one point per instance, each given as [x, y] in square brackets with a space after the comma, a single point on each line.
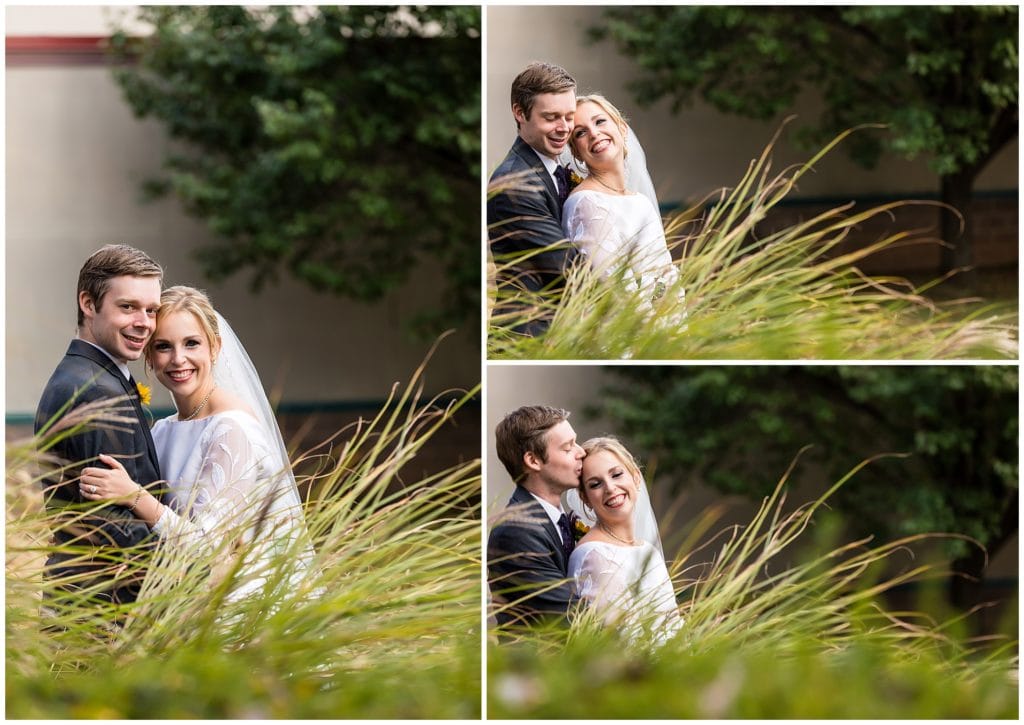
[595, 228]
[226, 492]
[604, 584]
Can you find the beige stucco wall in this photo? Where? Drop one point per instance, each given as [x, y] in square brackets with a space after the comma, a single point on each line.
[511, 386]
[61, 20]
[75, 156]
[691, 154]
[572, 387]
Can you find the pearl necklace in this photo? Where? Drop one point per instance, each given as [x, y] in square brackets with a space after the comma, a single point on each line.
[199, 407]
[631, 542]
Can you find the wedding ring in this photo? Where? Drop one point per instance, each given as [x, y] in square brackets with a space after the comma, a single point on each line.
[92, 489]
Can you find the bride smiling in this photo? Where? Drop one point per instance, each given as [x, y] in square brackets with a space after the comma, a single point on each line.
[612, 214]
[233, 493]
[618, 566]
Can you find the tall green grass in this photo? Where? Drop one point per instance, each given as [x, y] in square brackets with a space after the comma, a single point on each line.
[386, 624]
[768, 634]
[793, 294]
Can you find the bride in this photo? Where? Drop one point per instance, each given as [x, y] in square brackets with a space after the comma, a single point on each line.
[612, 215]
[618, 565]
[231, 487]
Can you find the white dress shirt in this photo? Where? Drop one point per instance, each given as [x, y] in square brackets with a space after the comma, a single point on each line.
[553, 512]
[550, 164]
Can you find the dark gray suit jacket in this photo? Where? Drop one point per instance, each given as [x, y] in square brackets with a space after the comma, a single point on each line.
[524, 558]
[524, 218]
[83, 376]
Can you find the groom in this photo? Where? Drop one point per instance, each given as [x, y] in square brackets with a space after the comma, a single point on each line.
[528, 550]
[524, 214]
[118, 295]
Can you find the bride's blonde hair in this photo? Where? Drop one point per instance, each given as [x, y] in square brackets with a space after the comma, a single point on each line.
[609, 444]
[608, 107]
[182, 298]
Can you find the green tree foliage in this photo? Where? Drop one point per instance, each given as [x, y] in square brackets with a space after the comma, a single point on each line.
[943, 79]
[737, 429]
[341, 144]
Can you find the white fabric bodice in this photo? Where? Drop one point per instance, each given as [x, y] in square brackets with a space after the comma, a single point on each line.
[620, 230]
[224, 475]
[212, 458]
[629, 586]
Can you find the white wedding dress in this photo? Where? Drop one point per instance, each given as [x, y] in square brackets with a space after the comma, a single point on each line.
[227, 478]
[621, 232]
[629, 587]
[233, 493]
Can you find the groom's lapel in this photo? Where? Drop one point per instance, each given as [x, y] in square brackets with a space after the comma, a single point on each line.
[530, 157]
[84, 349]
[524, 497]
[556, 542]
[144, 424]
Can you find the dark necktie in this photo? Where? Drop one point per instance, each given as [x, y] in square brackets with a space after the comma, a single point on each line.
[562, 181]
[567, 542]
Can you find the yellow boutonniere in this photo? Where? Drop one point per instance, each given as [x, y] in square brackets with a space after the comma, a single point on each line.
[145, 394]
[579, 529]
[574, 178]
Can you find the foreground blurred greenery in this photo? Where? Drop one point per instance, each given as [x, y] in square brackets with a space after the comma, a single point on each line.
[385, 624]
[593, 678]
[795, 293]
[317, 140]
[769, 634]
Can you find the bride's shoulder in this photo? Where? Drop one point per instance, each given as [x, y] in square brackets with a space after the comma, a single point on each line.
[584, 190]
[589, 544]
[587, 201]
[238, 426]
[224, 401]
[162, 423]
[233, 419]
[236, 419]
[594, 555]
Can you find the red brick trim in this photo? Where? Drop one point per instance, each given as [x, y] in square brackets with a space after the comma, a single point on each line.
[44, 50]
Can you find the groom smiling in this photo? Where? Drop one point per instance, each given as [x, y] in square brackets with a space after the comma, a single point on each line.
[528, 549]
[118, 296]
[525, 213]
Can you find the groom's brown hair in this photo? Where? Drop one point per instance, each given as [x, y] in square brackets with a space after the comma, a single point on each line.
[112, 260]
[539, 78]
[523, 431]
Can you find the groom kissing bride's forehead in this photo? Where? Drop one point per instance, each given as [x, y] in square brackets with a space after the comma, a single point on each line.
[525, 214]
[542, 559]
[528, 550]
